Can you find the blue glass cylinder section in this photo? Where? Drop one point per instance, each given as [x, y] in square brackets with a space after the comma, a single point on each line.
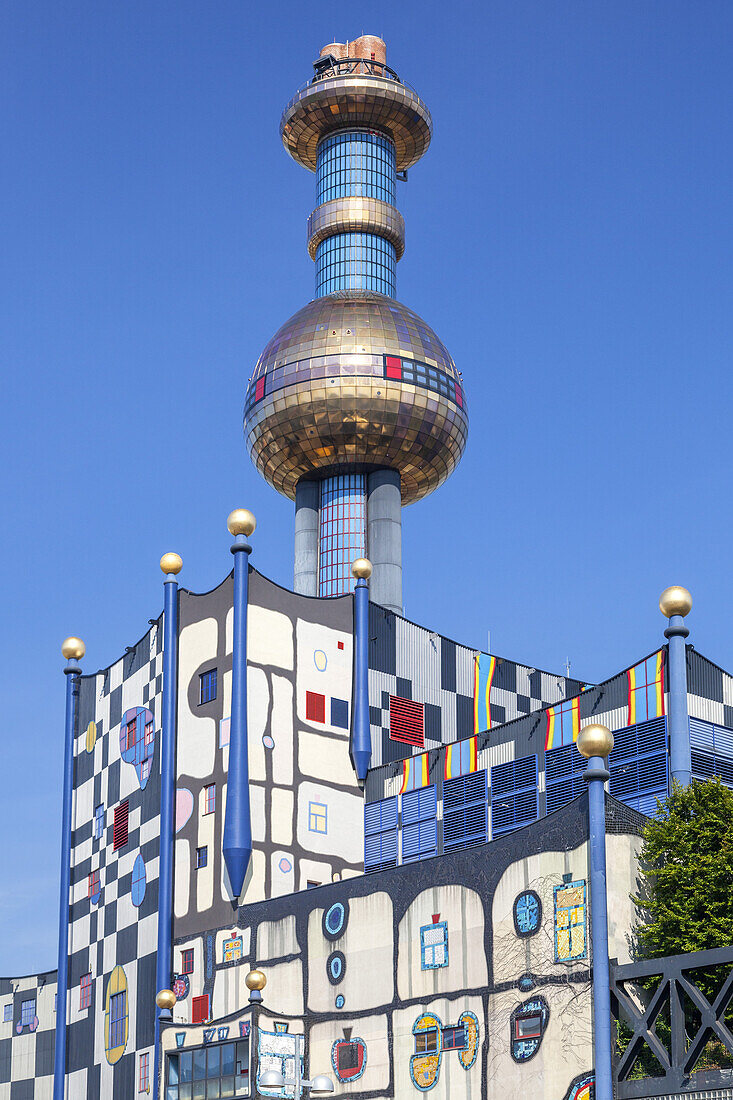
[342, 531]
[355, 261]
[356, 162]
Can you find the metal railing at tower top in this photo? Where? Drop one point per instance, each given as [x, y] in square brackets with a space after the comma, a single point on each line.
[330, 66]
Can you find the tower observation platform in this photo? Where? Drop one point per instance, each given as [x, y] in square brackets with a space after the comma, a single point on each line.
[355, 407]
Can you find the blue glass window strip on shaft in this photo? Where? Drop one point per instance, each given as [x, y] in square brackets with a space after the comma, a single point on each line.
[356, 162]
[513, 794]
[342, 535]
[356, 261]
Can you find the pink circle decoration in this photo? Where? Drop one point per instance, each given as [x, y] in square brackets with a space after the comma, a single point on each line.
[285, 865]
[184, 807]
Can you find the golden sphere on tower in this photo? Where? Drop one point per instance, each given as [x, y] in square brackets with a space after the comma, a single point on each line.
[73, 648]
[255, 980]
[675, 600]
[362, 569]
[241, 522]
[165, 998]
[595, 740]
[171, 563]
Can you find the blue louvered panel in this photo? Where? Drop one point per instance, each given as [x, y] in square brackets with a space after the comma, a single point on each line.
[701, 734]
[563, 776]
[419, 841]
[513, 794]
[707, 764]
[464, 811]
[638, 764]
[417, 805]
[380, 835]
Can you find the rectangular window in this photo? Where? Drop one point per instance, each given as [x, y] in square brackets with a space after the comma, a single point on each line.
[406, 721]
[202, 857]
[207, 686]
[434, 946]
[8, 1013]
[311, 885]
[317, 817]
[340, 713]
[347, 1056]
[380, 834]
[570, 921]
[99, 822]
[315, 707]
[233, 949]
[528, 1027]
[117, 1019]
[220, 1069]
[187, 961]
[85, 991]
[119, 829]
[200, 1009]
[419, 824]
[455, 1038]
[149, 739]
[27, 1012]
[426, 1042]
[210, 798]
[131, 733]
[513, 794]
[464, 811]
[143, 1084]
[93, 886]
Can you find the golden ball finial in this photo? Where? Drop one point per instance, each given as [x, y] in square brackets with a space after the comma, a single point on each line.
[165, 999]
[73, 649]
[361, 569]
[171, 563]
[255, 980]
[675, 600]
[595, 740]
[241, 522]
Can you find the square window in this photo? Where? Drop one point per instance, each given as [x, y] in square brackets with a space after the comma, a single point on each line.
[119, 829]
[426, 1042]
[27, 1012]
[144, 1074]
[207, 686]
[8, 1013]
[454, 1038]
[187, 961]
[200, 1009]
[85, 991]
[347, 1056]
[202, 857]
[317, 817]
[210, 798]
[340, 713]
[315, 707]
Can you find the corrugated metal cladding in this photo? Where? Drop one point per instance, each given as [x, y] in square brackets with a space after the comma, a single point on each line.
[465, 665]
[703, 677]
[419, 660]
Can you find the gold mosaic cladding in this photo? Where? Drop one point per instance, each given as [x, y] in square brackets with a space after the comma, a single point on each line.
[356, 215]
[352, 418]
[337, 102]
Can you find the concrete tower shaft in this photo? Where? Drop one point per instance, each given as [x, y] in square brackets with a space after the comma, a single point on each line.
[355, 406]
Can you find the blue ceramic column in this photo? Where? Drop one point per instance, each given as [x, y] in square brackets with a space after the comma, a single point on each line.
[675, 603]
[73, 650]
[361, 736]
[171, 565]
[595, 743]
[237, 841]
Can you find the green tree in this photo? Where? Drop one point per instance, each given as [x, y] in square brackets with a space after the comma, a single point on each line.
[686, 899]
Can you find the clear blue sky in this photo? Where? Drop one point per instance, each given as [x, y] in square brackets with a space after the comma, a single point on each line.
[570, 238]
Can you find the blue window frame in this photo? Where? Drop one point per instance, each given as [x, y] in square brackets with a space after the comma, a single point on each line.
[380, 834]
[638, 764]
[117, 1019]
[317, 817]
[434, 946]
[419, 824]
[513, 794]
[99, 822]
[202, 857]
[207, 686]
[8, 1012]
[27, 1012]
[464, 811]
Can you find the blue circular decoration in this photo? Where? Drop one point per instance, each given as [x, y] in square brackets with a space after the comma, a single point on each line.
[139, 881]
[527, 913]
[320, 660]
[268, 741]
[335, 920]
[526, 982]
[340, 1001]
[336, 967]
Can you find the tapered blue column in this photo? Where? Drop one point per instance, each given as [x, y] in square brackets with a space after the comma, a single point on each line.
[73, 650]
[237, 840]
[361, 734]
[675, 603]
[595, 743]
[171, 565]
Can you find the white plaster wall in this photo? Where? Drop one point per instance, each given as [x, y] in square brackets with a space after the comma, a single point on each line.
[269, 637]
[276, 939]
[374, 1030]
[284, 992]
[281, 729]
[622, 871]
[333, 681]
[463, 911]
[325, 758]
[204, 876]
[368, 947]
[345, 826]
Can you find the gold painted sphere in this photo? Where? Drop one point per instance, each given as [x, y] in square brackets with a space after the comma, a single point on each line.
[241, 522]
[73, 648]
[595, 740]
[165, 998]
[361, 569]
[171, 563]
[675, 600]
[255, 980]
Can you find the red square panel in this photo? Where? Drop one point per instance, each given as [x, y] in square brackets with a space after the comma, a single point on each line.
[341, 645]
[200, 1009]
[394, 367]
